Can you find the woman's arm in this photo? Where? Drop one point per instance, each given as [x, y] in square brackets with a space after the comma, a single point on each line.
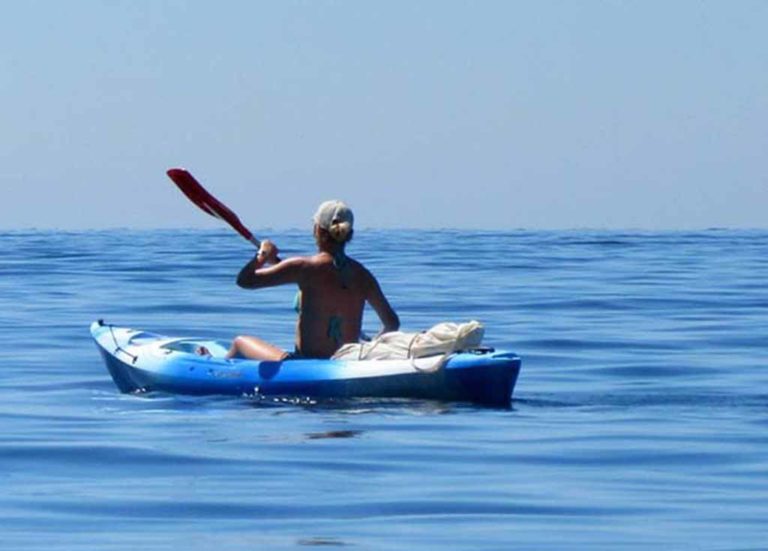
[380, 304]
[254, 275]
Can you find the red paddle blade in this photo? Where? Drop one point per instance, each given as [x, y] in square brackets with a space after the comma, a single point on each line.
[196, 193]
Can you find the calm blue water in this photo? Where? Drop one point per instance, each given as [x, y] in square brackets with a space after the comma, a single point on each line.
[640, 418]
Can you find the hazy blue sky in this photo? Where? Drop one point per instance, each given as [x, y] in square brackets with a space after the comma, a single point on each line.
[509, 114]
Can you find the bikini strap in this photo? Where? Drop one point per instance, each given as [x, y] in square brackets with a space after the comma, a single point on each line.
[340, 259]
[334, 329]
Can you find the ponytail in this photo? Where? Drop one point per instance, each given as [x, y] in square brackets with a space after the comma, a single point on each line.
[341, 232]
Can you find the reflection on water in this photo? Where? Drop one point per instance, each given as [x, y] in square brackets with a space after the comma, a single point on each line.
[334, 434]
[324, 542]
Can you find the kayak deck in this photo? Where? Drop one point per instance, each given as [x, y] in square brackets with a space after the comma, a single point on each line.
[140, 361]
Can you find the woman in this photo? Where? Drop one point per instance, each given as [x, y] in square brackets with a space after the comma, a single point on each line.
[334, 290]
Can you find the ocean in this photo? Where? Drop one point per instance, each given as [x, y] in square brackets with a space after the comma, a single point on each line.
[640, 418]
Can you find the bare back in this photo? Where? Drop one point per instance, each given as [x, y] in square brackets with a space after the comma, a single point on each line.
[332, 305]
[333, 301]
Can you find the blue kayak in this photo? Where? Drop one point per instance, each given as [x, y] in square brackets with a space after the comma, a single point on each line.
[140, 361]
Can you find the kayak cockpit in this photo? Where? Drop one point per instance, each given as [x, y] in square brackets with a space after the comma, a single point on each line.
[215, 348]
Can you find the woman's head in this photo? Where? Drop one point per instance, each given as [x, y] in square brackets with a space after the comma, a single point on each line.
[336, 220]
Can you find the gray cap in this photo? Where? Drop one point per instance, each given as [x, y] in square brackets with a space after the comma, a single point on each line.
[333, 212]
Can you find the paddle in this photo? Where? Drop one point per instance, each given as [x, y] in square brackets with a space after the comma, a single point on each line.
[196, 193]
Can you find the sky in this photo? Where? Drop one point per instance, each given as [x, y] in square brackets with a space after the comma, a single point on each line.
[419, 114]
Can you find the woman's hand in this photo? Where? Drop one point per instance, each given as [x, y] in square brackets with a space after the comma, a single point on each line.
[268, 252]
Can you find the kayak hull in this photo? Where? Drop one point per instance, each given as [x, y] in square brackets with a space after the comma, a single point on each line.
[140, 361]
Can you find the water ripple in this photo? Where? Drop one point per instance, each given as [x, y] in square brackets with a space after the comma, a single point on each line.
[639, 420]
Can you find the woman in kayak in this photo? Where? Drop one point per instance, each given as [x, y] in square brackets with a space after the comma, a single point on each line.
[334, 290]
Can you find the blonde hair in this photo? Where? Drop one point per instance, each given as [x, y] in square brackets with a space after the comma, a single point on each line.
[341, 232]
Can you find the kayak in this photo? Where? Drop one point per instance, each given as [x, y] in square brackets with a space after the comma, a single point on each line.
[142, 361]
